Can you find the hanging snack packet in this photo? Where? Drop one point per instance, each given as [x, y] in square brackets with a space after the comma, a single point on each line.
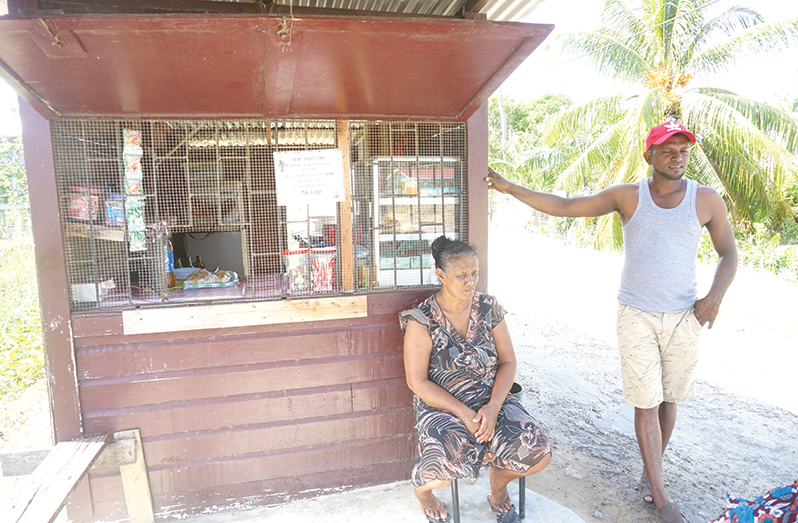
[137, 239]
[133, 185]
[133, 174]
[133, 165]
[132, 142]
[134, 211]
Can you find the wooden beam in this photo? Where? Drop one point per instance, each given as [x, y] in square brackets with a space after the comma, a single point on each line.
[345, 241]
[84, 230]
[198, 317]
[118, 453]
[21, 463]
[24, 463]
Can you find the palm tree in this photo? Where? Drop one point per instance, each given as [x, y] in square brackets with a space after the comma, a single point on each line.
[746, 150]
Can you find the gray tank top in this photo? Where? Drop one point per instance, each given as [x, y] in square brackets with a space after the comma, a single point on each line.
[660, 247]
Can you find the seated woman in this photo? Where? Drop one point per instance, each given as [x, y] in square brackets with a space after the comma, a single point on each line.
[460, 364]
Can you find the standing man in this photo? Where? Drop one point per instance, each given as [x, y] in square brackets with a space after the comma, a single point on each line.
[659, 317]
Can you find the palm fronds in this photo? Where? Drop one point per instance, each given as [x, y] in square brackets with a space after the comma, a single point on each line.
[746, 149]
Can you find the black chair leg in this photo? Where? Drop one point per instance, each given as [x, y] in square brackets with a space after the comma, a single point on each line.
[521, 499]
[455, 501]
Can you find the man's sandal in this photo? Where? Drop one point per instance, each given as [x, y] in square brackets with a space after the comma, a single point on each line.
[670, 513]
[645, 486]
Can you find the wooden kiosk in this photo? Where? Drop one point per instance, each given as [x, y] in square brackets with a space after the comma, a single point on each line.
[283, 385]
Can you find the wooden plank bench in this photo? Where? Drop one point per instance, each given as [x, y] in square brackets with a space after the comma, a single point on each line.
[55, 473]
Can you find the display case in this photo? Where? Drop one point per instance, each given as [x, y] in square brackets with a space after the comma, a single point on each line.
[415, 200]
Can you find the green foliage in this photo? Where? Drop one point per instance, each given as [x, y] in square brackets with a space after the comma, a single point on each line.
[13, 187]
[21, 349]
[746, 150]
[789, 232]
[524, 117]
[758, 249]
[516, 148]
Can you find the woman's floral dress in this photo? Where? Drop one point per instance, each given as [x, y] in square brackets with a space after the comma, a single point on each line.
[466, 368]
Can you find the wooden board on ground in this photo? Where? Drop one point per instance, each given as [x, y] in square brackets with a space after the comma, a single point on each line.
[47, 489]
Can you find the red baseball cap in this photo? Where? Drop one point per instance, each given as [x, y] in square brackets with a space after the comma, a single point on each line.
[663, 131]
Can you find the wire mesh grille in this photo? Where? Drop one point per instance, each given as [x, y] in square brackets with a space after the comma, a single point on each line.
[185, 211]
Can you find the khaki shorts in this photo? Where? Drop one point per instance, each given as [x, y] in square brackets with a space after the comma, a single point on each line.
[659, 355]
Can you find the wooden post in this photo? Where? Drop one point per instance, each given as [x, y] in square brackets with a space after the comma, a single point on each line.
[59, 353]
[478, 190]
[135, 483]
[345, 239]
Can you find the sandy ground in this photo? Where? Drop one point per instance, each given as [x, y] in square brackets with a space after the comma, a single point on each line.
[738, 437]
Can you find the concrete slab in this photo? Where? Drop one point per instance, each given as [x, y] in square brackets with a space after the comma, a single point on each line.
[395, 503]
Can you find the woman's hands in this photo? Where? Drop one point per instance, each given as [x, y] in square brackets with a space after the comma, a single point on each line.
[483, 424]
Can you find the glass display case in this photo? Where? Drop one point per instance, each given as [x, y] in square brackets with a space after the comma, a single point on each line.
[415, 200]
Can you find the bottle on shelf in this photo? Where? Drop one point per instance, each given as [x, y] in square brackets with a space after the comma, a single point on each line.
[169, 261]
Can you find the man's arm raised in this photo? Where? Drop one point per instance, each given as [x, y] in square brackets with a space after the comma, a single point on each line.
[618, 198]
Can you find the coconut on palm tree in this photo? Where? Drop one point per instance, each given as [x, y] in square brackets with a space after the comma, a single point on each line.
[746, 150]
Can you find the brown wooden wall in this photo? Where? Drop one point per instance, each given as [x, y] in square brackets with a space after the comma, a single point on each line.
[253, 415]
[233, 417]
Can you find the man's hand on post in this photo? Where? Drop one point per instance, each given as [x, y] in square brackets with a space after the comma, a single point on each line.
[496, 181]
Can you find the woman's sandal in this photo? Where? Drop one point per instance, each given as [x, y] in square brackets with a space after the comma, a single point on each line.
[645, 485]
[511, 516]
[670, 513]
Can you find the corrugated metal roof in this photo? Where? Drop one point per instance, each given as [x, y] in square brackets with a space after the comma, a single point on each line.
[498, 10]
[495, 10]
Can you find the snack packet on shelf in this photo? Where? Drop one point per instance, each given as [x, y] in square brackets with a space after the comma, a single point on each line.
[204, 278]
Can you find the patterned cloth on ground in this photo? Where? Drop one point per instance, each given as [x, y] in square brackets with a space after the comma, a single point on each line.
[780, 505]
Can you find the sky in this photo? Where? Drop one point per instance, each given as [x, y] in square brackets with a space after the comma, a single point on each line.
[766, 79]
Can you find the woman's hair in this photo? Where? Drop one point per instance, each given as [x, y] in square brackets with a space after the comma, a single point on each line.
[445, 250]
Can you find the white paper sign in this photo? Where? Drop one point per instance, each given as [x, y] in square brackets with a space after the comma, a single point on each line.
[309, 177]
